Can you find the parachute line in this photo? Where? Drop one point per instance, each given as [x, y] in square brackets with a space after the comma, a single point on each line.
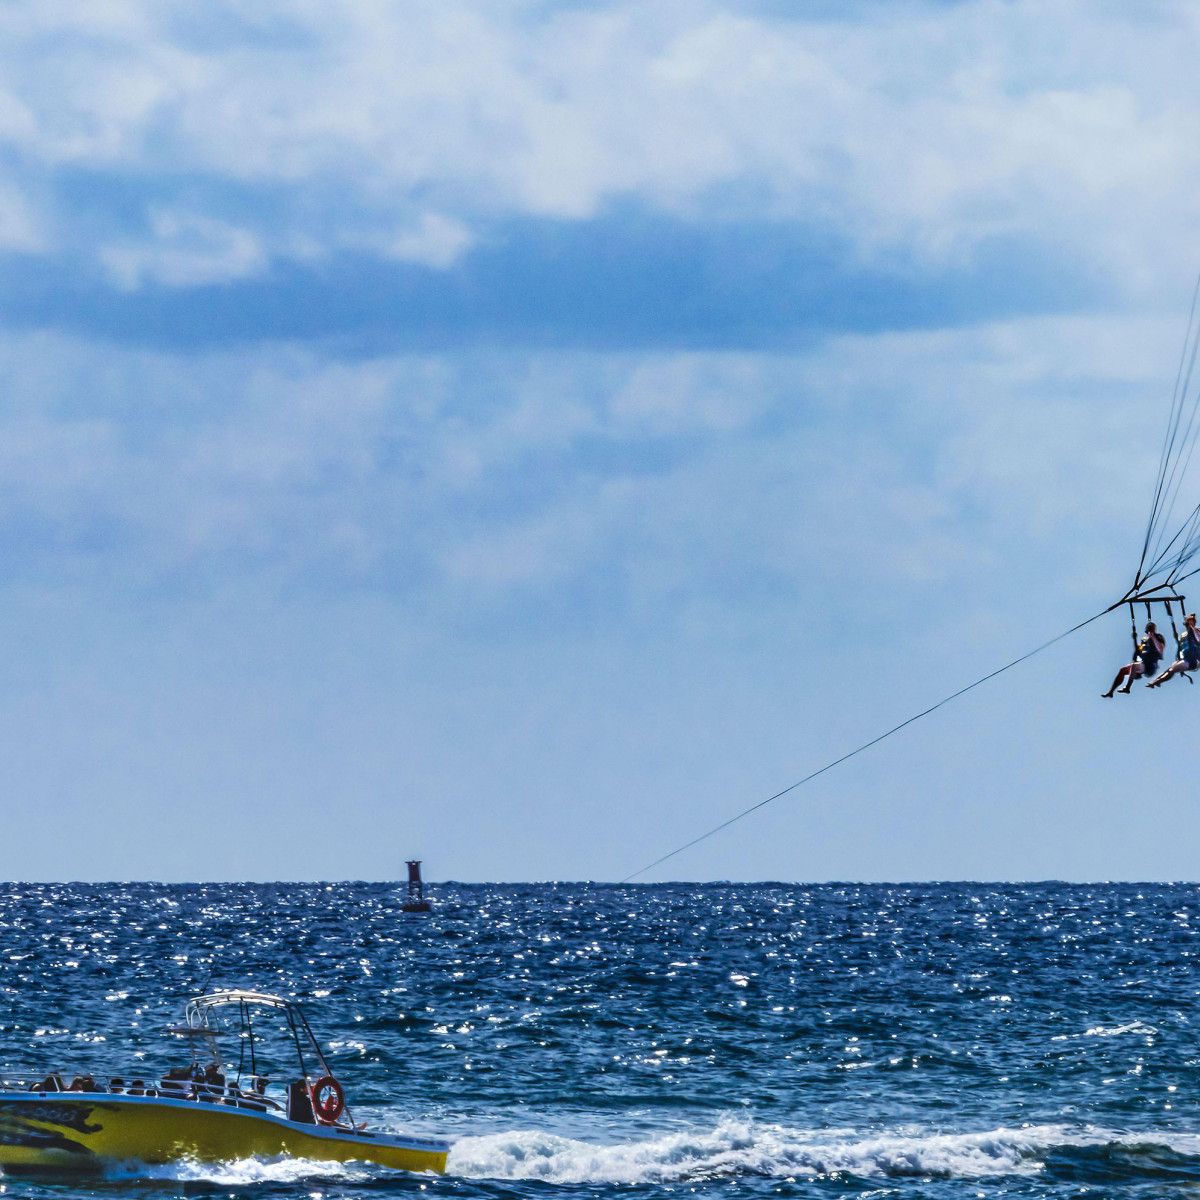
[1164, 554]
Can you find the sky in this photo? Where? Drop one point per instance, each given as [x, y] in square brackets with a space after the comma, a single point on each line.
[521, 435]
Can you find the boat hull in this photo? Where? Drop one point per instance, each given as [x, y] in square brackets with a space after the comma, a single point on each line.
[67, 1131]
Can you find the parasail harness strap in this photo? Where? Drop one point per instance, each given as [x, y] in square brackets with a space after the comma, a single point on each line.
[1171, 616]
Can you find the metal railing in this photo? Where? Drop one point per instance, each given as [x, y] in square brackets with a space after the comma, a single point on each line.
[201, 1091]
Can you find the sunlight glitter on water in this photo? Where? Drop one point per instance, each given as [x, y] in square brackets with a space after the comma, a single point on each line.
[824, 1040]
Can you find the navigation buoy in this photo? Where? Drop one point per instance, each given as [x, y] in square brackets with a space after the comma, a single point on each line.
[416, 902]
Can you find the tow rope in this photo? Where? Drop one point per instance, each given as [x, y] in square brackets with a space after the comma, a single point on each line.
[859, 749]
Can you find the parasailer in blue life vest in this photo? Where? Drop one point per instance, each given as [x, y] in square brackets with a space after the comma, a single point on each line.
[1145, 662]
[1188, 654]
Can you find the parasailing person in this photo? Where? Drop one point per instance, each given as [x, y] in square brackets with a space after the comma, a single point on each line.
[1188, 658]
[1146, 657]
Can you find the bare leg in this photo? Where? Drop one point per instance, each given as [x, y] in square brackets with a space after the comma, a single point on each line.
[1164, 676]
[1120, 675]
[1135, 670]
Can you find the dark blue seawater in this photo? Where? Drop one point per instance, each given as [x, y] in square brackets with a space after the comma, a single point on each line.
[756, 1040]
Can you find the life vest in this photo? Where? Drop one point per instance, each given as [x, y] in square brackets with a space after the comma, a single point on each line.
[1189, 650]
[1150, 653]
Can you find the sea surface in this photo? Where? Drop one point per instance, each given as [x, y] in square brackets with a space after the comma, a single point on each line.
[947, 1040]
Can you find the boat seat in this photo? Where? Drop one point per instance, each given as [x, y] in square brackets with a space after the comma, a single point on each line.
[300, 1103]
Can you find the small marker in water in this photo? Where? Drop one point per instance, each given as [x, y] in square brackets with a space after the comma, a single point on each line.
[416, 902]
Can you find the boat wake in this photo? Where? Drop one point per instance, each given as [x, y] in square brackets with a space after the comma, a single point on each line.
[243, 1172]
[739, 1147]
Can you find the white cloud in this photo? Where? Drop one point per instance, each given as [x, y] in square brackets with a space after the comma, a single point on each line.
[17, 121]
[436, 241]
[684, 393]
[184, 250]
[907, 128]
[658, 481]
[21, 228]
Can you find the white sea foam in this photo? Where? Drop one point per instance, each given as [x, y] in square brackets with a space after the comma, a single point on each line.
[241, 1172]
[740, 1147]
[733, 1147]
[1118, 1030]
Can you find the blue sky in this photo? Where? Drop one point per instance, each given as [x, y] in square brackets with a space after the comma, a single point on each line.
[520, 435]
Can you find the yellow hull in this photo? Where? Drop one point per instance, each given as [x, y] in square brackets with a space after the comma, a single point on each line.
[67, 1131]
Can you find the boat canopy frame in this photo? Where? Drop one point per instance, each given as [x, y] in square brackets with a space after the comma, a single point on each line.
[198, 1024]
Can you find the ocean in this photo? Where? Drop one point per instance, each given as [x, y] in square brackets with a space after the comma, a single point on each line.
[581, 1040]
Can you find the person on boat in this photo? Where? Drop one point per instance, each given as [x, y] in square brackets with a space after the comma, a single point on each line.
[1146, 658]
[1188, 654]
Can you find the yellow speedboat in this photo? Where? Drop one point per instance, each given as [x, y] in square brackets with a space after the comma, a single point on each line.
[204, 1112]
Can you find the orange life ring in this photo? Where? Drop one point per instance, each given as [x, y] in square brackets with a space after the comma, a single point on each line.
[328, 1107]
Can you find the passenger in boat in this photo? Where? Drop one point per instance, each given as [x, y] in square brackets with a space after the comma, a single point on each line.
[177, 1081]
[1188, 653]
[1145, 662]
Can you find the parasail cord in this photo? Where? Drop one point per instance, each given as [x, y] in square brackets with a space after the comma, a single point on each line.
[859, 749]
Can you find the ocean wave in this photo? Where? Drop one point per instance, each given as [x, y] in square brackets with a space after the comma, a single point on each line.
[1118, 1030]
[737, 1147]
